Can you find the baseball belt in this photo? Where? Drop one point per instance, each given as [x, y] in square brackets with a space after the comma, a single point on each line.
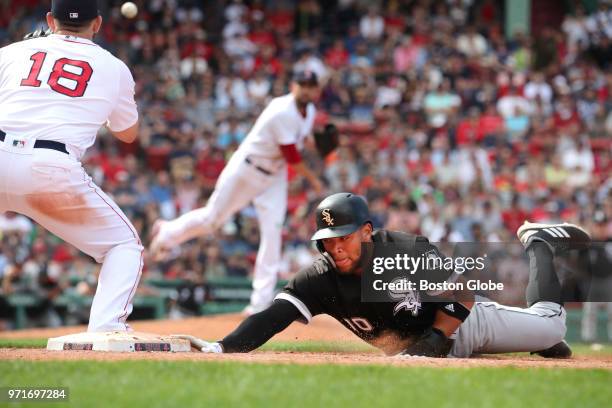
[264, 171]
[43, 144]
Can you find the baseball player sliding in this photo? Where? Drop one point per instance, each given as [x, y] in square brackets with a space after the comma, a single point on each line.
[56, 89]
[412, 326]
[257, 173]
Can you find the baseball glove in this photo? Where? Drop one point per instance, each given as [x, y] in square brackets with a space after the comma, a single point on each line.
[38, 33]
[327, 140]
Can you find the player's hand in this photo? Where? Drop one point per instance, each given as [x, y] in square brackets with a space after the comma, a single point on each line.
[201, 345]
[433, 343]
[157, 248]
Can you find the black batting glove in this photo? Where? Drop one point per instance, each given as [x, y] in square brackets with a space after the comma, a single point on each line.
[432, 343]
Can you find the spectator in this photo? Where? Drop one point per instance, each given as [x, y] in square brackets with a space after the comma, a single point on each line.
[435, 105]
[13, 222]
[538, 89]
[513, 104]
[472, 43]
[372, 25]
[407, 56]
[441, 104]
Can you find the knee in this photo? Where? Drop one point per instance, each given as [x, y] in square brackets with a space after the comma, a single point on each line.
[557, 330]
[131, 247]
[132, 242]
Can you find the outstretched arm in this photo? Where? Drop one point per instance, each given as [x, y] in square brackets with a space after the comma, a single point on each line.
[260, 327]
[297, 301]
[253, 331]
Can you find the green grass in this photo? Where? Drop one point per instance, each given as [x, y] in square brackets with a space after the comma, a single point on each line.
[319, 346]
[586, 350]
[23, 343]
[197, 384]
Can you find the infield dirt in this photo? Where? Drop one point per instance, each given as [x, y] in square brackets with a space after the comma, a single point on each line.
[322, 328]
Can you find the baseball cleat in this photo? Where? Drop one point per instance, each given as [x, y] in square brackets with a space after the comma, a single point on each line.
[558, 237]
[559, 350]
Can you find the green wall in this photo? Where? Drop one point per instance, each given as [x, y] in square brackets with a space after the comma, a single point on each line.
[518, 17]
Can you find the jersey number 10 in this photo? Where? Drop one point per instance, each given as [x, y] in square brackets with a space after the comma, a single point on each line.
[81, 80]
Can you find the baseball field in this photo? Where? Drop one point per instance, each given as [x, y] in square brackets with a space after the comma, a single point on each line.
[315, 365]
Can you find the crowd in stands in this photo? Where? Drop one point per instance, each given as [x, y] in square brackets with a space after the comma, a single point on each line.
[450, 128]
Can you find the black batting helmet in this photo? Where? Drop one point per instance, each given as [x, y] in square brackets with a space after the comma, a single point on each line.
[339, 215]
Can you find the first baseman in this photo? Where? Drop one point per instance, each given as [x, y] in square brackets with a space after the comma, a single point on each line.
[57, 89]
[411, 325]
[257, 173]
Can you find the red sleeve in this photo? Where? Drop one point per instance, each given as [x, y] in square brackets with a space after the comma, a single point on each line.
[291, 153]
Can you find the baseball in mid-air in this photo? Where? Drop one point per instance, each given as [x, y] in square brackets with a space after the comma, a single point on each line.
[129, 9]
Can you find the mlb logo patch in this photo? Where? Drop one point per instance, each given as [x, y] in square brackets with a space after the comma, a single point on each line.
[19, 143]
[74, 15]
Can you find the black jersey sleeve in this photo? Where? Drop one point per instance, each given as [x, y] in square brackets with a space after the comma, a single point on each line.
[306, 290]
[260, 327]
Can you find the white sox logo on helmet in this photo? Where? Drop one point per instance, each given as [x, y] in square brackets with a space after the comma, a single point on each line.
[327, 217]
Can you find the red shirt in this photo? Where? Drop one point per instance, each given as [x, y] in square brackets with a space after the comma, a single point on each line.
[539, 214]
[197, 49]
[513, 218]
[295, 201]
[562, 122]
[503, 182]
[272, 66]
[395, 22]
[281, 21]
[336, 58]
[210, 166]
[489, 124]
[262, 37]
[468, 131]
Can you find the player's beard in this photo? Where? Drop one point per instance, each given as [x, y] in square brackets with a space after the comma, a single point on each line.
[302, 104]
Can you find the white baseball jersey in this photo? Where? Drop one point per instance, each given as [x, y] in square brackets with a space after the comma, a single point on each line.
[280, 123]
[69, 84]
[63, 88]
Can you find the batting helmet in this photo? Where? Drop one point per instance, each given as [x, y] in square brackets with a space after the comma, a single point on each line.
[339, 215]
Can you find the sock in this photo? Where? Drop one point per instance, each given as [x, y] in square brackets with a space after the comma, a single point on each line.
[543, 283]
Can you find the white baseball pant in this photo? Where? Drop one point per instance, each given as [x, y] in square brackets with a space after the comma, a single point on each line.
[239, 184]
[53, 189]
